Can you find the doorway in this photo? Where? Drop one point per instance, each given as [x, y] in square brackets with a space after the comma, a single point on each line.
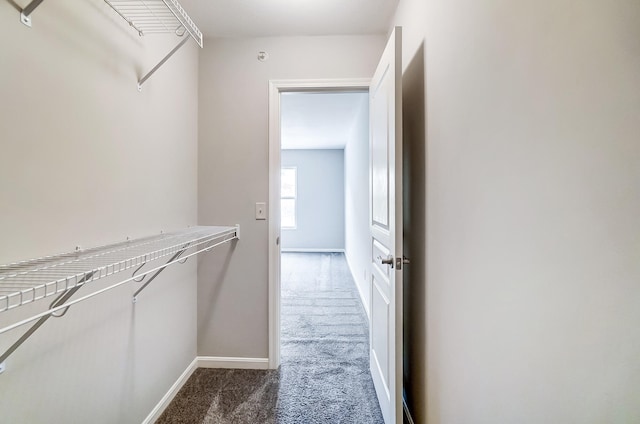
[323, 217]
[277, 90]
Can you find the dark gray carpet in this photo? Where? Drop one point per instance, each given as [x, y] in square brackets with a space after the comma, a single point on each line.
[324, 376]
[216, 396]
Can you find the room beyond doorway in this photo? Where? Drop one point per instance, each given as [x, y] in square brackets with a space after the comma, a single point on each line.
[319, 133]
[324, 156]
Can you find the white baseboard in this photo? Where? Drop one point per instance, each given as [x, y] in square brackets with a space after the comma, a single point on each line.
[311, 250]
[173, 391]
[353, 275]
[407, 413]
[237, 363]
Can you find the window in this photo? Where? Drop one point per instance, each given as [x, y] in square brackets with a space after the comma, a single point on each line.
[288, 192]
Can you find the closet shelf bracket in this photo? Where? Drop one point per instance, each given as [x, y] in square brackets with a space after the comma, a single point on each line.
[173, 259]
[66, 295]
[25, 14]
[176, 258]
[157, 17]
[26, 282]
[155, 68]
[145, 17]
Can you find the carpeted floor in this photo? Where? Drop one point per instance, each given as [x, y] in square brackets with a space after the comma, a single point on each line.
[324, 376]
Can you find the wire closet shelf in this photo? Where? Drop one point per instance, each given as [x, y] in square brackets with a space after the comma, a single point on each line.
[25, 282]
[146, 17]
[156, 16]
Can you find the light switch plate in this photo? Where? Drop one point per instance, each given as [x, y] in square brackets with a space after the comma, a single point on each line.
[261, 210]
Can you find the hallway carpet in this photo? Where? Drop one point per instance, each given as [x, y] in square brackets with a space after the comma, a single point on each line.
[324, 376]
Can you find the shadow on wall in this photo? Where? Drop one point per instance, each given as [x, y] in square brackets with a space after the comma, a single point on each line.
[217, 266]
[415, 235]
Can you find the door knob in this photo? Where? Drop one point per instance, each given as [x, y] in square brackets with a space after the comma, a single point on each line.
[386, 261]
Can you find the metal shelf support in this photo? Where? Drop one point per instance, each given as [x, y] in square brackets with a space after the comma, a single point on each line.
[59, 301]
[173, 259]
[157, 16]
[155, 68]
[25, 15]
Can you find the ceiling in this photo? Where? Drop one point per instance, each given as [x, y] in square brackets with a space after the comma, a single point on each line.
[257, 18]
[320, 120]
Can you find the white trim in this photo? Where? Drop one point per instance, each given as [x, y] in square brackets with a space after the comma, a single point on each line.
[275, 88]
[173, 391]
[274, 224]
[233, 363]
[314, 85]
[407, 413]
[311, 250]
[365, 305]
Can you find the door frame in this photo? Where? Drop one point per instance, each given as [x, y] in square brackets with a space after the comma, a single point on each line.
[276, 87]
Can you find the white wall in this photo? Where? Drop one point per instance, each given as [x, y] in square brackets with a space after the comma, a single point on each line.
[85, 159]
[233, 170]
[356, 177]
[320, 200]
[526, 115]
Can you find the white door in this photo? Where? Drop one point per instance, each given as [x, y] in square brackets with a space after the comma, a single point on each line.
[385, 329]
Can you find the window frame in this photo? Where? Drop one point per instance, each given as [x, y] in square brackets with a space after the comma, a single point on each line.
[294, 198]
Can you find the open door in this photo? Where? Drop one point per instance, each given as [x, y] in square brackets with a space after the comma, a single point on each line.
[385, 329]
